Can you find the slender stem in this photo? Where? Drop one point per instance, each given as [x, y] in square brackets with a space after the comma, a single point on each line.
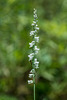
[34, 90]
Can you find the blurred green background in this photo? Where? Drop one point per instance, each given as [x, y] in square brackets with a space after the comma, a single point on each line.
[16, 17]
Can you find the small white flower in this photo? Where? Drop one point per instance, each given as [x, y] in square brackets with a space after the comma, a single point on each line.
[31, 75]
[32, 71]
[35, 11]
[32, 33]
[32, 24]
[31, 56]
[35, 15]
[37, 28]
[36, 49]
[30, 81]
[36, 39]
[36, 67]
[32, 43]
[36, 63]
[36, 25]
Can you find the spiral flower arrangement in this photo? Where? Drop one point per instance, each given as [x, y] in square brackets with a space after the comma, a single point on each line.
[35, 49]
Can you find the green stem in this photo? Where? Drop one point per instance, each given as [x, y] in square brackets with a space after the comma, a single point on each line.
[34, 90]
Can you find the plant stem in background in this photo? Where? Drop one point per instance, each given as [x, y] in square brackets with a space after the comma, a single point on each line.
[34, 91]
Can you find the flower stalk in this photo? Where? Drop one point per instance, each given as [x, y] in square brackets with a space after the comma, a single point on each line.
[35, 49]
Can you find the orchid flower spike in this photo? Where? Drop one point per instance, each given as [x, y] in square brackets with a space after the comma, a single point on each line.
[34, 49]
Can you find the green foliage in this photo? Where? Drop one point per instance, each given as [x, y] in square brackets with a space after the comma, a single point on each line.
[15, 24]
[5, 97]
